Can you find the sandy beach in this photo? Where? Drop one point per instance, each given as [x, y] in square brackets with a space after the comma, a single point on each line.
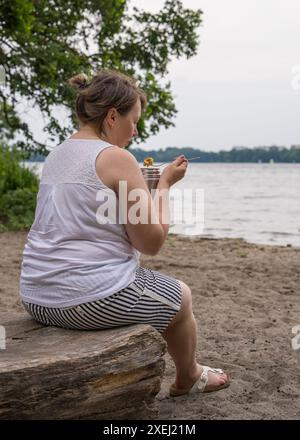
[246, 301]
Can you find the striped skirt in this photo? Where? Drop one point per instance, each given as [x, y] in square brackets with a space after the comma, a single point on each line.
[153, 298]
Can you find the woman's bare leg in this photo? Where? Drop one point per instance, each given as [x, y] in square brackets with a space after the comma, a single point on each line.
[181, 338]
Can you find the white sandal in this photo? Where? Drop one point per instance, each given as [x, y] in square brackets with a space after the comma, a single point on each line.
[200, 386]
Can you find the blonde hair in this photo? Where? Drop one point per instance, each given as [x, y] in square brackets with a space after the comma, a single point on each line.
[106, 89]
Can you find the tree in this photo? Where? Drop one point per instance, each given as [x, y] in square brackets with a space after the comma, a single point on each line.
[43, 43]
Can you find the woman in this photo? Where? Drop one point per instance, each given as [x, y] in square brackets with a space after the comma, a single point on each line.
[80, 272]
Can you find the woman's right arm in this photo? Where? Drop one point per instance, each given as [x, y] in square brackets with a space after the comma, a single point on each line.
[147, 234]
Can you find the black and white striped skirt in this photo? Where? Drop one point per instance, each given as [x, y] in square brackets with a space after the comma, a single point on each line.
[153, 298]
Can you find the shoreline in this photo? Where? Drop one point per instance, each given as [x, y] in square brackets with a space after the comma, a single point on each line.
[199, 237]
[246, 300]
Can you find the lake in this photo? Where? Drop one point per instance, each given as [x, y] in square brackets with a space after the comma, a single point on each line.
[258, 202]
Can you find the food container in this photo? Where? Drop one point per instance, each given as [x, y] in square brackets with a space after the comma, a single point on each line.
[151, 175]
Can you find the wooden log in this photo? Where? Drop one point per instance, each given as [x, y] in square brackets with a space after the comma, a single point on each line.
[52, 373]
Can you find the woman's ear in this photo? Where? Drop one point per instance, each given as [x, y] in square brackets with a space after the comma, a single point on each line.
[111, 116]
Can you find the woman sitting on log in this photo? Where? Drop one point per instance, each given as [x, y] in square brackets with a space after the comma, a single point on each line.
[80, 267]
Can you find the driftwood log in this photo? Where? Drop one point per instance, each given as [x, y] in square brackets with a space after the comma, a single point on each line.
[52, 373]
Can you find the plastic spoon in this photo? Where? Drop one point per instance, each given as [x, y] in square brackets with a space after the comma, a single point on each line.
[191, 158]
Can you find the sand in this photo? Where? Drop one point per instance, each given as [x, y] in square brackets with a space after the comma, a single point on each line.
[246, 299]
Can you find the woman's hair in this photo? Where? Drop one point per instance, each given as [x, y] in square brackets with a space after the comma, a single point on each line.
[106, 89]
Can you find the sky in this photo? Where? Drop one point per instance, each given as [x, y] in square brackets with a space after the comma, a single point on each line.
[243, 86]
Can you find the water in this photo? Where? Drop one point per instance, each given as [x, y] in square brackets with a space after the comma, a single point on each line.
[257, 202]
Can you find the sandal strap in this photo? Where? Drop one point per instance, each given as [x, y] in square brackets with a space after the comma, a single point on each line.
[201, 383]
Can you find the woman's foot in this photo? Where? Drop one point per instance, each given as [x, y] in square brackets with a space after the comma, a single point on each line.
[204, 379]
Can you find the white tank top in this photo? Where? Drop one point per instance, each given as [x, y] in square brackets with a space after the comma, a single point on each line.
[70, 257]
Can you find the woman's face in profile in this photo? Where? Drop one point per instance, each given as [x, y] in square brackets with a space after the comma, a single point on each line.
[125, 127]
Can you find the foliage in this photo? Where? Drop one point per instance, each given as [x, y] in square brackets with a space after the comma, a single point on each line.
[18, 191]
[44, 43]
[237, 154]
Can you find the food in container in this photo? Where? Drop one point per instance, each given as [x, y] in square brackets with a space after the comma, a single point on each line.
[148, 161]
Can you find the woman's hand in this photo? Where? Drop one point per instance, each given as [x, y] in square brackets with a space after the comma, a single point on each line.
[175, 171]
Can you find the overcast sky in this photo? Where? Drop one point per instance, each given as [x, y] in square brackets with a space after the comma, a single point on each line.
[240, 89]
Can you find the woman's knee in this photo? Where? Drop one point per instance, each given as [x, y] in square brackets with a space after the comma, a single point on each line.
[186, 307]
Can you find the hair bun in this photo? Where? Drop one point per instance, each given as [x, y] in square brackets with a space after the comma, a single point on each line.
[79, 81]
